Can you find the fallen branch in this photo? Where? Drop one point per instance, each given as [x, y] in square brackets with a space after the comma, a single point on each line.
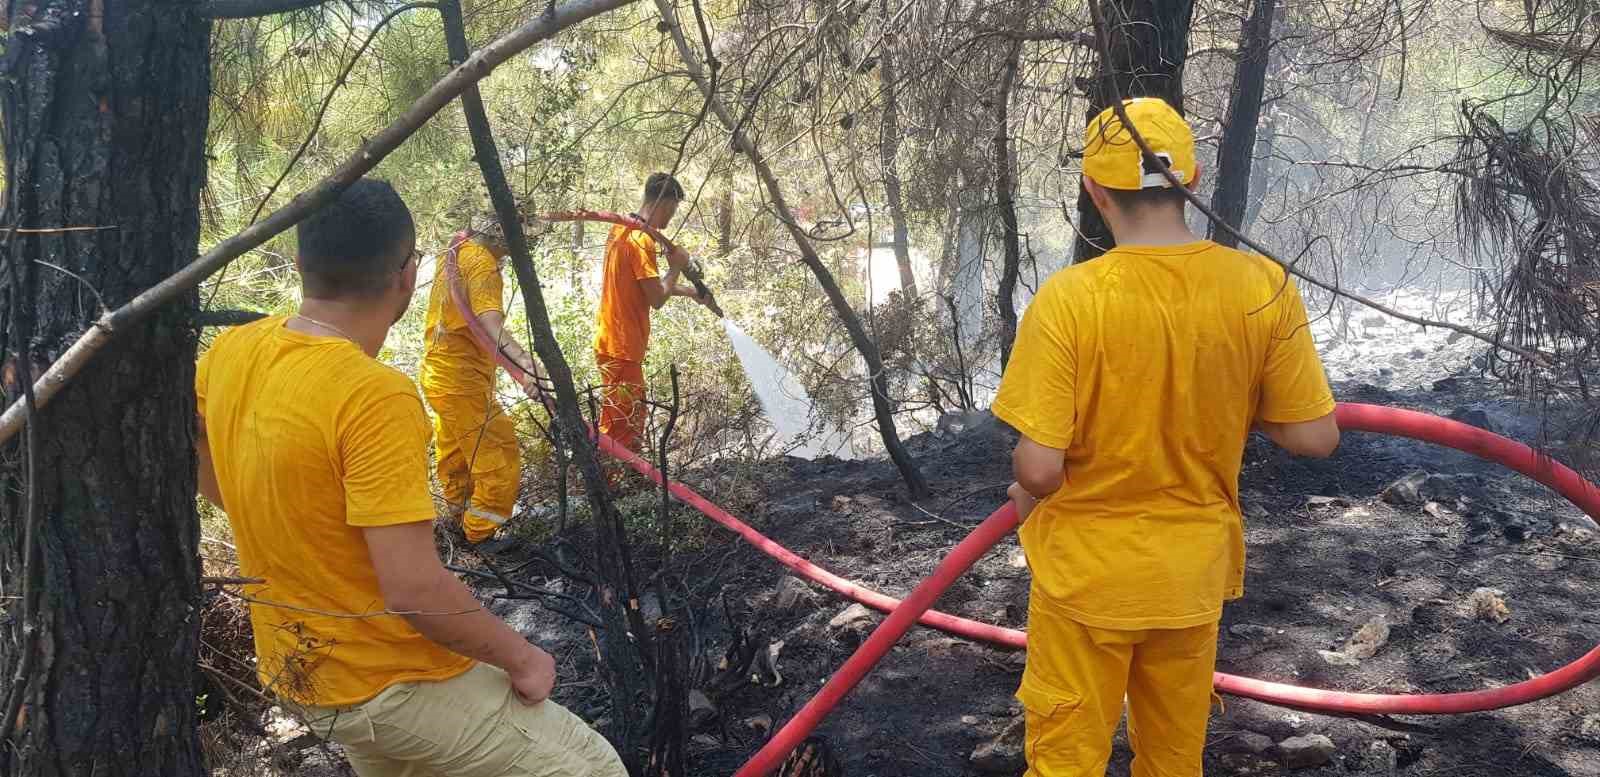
[373, 151]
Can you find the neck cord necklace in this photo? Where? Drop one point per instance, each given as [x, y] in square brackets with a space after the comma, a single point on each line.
[328, 326]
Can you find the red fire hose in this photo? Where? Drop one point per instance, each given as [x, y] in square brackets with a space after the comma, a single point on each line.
[915, 609]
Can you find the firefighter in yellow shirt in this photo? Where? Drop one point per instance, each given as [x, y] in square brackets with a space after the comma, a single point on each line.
[318, 453]
[479, 462]
[1135, 380]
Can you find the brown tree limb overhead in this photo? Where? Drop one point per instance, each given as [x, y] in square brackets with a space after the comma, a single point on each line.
[877, 379]
[1103, 37]
[373, 151]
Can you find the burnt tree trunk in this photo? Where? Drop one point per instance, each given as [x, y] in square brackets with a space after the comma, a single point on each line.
[624, 641]
[1149, 44]
[105, 108]
[888, 154]
[877, 376]
[1261, 170]
[1237, 153]
[1005, 188]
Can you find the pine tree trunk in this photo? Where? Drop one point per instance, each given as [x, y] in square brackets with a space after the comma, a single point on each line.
[105, 108]
[1005, 186]
[1149, 45]
[1261, 171]
[888, 154]
[1237, 153]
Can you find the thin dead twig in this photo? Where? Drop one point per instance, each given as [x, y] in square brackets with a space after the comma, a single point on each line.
[229, 580]
[52, 230]
[344, 615]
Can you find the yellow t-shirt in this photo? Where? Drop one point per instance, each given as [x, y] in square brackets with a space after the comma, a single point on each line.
[622, 325]
[1148, 366]
[312, 440]
[452, 362]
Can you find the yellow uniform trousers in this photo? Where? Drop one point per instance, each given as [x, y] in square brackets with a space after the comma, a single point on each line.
[471, 725]
[1078, 677]
[622, 408]
[480, 466]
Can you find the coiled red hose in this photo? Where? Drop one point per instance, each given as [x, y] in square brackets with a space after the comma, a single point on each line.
[916, 608]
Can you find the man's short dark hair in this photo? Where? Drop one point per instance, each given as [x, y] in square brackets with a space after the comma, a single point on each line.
[351, 246]
[662, 186]
[1134, 200]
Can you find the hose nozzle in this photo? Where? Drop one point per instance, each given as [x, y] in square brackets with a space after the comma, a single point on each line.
[693, 274]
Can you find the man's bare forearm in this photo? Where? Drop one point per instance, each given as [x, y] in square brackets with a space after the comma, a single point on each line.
[447, 613]
[507, 344]
[207, 473]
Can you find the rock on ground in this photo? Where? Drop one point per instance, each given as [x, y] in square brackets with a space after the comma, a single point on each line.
[1487, 604]
[1305, 751]
[852, 617]
[790, 592]
[1369, 639]
[1338, 658]
[1249, 742]
[1003, 754]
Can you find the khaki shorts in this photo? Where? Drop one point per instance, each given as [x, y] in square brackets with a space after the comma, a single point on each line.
[471, 725]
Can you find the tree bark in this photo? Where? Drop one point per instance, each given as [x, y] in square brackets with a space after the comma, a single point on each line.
[1005, 186]
[1149, 44]
[105, 109]
[889, 153]
[624, 638]
[1237, 153]
[876, 376]
[972, 233]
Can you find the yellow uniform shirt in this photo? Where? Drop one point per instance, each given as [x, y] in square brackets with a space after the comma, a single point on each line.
[312, 440]
[452, 362]
[622, 325]
[1147, 366]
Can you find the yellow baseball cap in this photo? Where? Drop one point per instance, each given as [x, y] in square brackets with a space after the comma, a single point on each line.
[1113, 160]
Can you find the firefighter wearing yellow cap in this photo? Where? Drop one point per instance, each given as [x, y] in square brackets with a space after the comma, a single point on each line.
[1134, 380]
[479, 462]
